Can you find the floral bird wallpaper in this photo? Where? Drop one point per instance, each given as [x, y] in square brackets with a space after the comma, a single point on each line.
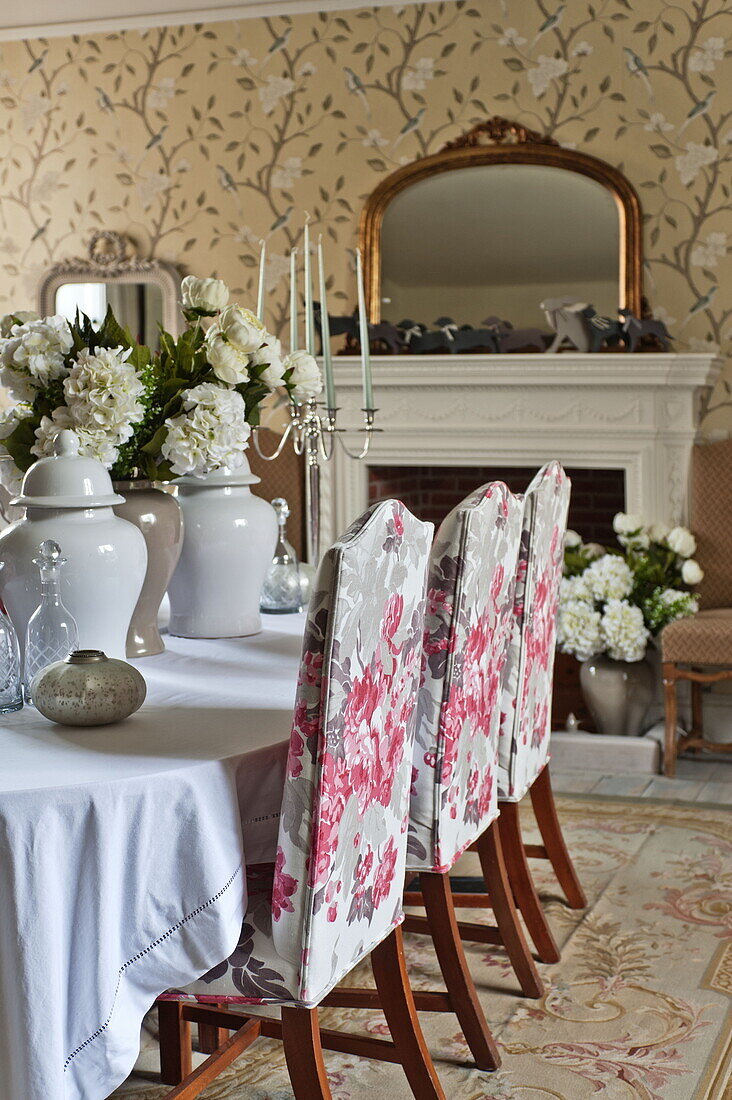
[198, 141]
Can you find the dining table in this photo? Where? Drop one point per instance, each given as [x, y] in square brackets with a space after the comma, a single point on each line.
[123, 851]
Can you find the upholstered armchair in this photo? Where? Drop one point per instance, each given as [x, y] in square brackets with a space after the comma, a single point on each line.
[699, 649]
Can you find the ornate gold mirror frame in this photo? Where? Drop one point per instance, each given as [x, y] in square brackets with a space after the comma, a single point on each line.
[499, 141]
[109, 261]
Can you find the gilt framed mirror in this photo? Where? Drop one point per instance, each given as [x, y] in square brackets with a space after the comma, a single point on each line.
[143, 293]
[496, 222]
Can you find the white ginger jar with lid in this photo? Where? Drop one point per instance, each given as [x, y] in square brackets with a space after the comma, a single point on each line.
[69, 498]
[228, 543]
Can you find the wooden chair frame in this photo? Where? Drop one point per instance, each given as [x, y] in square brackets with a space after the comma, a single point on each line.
[518, 875]
[695, 740]
[302, 1036]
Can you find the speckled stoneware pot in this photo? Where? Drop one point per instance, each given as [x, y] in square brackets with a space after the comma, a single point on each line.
[88, 689]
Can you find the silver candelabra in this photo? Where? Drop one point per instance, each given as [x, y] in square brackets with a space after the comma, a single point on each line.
[314, 435]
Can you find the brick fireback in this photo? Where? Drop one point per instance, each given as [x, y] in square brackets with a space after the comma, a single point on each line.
[431, 491]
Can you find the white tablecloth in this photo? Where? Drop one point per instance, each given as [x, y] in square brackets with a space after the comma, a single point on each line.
[121, 854]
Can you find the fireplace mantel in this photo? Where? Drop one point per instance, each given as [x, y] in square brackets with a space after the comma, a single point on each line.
[639, 413]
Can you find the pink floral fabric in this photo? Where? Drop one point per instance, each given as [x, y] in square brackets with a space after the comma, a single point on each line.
[470, 595]
[335, 889]
[526, 710]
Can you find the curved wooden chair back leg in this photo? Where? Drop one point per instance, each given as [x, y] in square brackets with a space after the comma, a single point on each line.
[304, 1054]
[522, 884]
[397, 1004]
[498, 881]
[545, 810]
[438, 904]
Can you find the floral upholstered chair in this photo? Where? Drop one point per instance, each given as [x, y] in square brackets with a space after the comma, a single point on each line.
[470, 596]
[334, 894]
[523, 744]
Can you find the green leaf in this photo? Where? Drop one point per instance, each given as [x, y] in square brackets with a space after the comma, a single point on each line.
[20, 441]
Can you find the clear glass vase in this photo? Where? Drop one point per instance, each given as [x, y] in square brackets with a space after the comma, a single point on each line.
[51, 633]
[11, 690]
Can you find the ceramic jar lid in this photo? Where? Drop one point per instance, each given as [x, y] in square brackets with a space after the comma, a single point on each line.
[67, 479]
[242, 475]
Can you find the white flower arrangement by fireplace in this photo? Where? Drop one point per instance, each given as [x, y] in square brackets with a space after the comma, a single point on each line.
[615, 601]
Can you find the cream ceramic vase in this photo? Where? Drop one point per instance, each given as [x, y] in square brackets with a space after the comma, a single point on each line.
[69, 498]
[156, 513]
[228, 544]
[618, 693]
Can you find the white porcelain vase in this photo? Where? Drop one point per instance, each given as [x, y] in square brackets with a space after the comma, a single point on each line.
[228, 544]
[69, 498]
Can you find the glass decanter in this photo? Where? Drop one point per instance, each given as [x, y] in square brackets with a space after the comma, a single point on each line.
[11, 689]
[51, 633]
[281, 592]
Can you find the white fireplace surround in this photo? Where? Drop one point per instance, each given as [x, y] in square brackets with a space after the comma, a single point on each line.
[635, 412]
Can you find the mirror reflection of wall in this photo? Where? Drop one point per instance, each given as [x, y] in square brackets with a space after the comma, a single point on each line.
[496, 240]
[138, 306]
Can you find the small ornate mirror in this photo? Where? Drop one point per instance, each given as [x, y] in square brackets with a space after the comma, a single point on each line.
[499, 220]
[142, 293]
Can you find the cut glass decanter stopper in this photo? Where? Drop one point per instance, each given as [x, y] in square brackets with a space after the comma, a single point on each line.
[281, 592]
[52, 632]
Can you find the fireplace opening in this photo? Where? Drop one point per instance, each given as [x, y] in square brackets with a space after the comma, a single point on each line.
[430, 492]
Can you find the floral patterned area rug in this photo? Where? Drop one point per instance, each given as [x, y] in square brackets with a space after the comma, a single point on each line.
[640, 1005]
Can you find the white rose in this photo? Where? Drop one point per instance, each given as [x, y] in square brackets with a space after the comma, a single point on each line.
[241, 328]
[691, 572]
[304, 376]
[270, 357]
[625, 523]
[571, 539]
[228, 362]
[682, 542]
[594, 549]
[659, 532]
[204, 295]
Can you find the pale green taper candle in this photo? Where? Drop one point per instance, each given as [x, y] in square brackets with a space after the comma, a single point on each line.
[260, 294]
[309, 314]
[325, 333]
[293, 300]
[363, 330]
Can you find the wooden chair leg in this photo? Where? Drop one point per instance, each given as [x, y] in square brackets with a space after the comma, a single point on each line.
[304, 1054]
[522, 884]
[397, 1003]
[175, 1043]
[438, 904]
[545, 811]
[210, 1038]
[671, 708]
[497, 880]
[697, 710]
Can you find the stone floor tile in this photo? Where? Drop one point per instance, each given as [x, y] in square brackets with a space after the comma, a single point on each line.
[678, 790]
[631, 786]
[716, 792]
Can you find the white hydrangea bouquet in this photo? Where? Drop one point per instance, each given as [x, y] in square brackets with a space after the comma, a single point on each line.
[187, 409]
[616, 601]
